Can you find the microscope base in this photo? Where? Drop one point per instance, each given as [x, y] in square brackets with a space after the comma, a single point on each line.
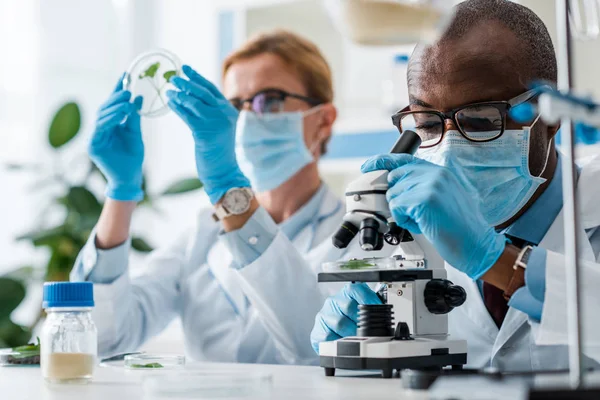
[387, 355]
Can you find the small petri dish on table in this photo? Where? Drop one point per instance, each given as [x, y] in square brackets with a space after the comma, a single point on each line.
[154, 361]
[207, 384]
[148, 76]
[12, 358]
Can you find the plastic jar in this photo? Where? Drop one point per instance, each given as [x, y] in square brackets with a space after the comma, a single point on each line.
[69, 339]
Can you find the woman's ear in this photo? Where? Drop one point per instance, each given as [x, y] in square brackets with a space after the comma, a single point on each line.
[328, 115]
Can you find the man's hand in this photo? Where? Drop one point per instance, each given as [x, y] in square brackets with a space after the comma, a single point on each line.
[339, 316]
[429, 199]
[212, 120]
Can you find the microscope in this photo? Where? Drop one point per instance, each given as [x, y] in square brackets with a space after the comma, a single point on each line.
[410, 329]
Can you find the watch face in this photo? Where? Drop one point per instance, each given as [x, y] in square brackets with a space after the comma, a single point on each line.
[237, 201]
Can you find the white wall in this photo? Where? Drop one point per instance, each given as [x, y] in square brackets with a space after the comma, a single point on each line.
[586, 53]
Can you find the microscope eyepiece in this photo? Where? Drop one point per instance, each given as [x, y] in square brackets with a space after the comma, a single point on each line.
[344, 235]
[407, 143]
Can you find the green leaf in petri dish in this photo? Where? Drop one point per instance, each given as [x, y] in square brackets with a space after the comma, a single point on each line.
[169, 74]
[150, 71]
[149, 365]
[357, 264]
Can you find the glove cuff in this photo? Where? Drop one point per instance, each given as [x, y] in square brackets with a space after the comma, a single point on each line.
[492, 252]
[124, 193]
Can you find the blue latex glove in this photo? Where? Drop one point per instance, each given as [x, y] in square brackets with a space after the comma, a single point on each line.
[212, 119]
[339, 316]
[429, 199]
[117, 148]
[585, 134]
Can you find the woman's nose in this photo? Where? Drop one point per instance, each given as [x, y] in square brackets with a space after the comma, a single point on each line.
[247, 106]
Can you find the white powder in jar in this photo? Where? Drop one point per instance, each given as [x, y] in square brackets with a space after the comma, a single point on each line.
[67, 366]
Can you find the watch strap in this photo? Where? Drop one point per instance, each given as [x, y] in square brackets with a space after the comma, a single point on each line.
[517, 280]
[221, 211]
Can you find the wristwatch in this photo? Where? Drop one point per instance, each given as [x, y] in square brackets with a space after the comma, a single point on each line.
[235, 202]
[518, 278]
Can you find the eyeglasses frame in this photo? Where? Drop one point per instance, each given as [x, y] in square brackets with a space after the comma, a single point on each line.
[502, 106]
[282, 93]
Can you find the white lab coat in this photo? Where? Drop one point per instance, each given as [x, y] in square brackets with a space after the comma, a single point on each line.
[261, 313]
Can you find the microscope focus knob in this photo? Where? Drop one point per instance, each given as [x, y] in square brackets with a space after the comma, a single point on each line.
[442, 296]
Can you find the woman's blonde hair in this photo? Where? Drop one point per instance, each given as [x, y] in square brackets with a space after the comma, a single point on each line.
[299, 53]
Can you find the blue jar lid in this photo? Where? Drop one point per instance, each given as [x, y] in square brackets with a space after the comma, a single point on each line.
[68, 294]
[401, 58]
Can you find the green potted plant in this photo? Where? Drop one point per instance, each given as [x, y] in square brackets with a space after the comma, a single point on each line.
[80, 209]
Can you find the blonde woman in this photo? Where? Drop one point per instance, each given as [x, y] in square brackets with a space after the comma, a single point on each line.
[243, 279]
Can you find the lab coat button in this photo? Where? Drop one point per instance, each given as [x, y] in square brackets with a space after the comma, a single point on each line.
[253, 240]
[89, 259]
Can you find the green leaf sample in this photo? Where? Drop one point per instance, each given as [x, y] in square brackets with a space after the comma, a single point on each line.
[149, 365]
[169, 74]
[150, 71]
[357, 264]
[28, 350]
[65, 125]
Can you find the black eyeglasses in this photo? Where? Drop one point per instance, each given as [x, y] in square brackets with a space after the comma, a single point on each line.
[477, 122]
[270, 101]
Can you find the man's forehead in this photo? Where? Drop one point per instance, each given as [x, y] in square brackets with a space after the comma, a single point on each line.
[479, 66]
[464, 83]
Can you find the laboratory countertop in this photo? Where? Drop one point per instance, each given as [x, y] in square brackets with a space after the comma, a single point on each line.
[288, 382]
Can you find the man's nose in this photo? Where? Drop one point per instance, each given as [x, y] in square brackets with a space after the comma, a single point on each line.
[449, 125]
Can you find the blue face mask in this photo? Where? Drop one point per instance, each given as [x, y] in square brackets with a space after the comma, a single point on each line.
[496, 172]
[270, 148]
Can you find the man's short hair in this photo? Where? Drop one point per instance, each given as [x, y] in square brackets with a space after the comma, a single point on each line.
[536, 53]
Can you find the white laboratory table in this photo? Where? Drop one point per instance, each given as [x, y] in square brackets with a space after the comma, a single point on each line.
[288, 382]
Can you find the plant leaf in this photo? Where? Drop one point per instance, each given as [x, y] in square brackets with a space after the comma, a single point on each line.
[23, 274]
[12, 293]
[169, 74]
[140, 245]
[59, 266]
[65, 125]
[81, 200]
[183, 186]
[13, 335]
[45, 237]
[151, 70]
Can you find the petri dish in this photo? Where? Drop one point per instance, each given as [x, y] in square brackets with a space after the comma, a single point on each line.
[362, 264]
[154, 361]
[208, 384]
[11, 358]
[148, 76]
